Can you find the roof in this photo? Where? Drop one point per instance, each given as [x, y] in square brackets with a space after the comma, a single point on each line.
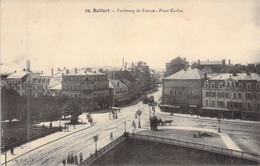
[116, 83]
[20, 74]
[126, 81]
[238, 76]
[189, 73]
[85, 72]
[210, 62]
[178, 60]
[56, 86]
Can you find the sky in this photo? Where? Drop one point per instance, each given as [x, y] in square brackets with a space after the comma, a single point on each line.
[59, 33]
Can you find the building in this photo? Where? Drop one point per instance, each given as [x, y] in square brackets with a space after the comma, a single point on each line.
[118, 92]
[40, 85]
[183, 88]
[175, 65]
[232, 92]
[91, 87]
[212, 66]
[55, 86]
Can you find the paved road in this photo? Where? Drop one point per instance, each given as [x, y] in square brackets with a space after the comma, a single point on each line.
[82, 141]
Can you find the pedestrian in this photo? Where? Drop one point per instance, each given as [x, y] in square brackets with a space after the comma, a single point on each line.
[72, 158]
[68, 159]
[64, 162]
[80, 158]
[74, 126]
[68, 127]
[133, 124]
[51, 125]
[12, 151]
[76, 159]
[111, 136]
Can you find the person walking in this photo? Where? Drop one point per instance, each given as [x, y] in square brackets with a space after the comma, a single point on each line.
[76, 159]
[111, 136]
[133, 124]
[80, 158]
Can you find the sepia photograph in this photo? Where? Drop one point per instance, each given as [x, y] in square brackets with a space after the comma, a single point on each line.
[130, 83]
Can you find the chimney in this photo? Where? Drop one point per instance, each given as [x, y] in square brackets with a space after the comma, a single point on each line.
[223, 62]
[205, 75]
[100, 70]
[89, 69]
[67, 71]
[51, 71]
[76, 70]
[184, 58]
[199, 62]
[28, 65]
[117, 83]
[229, 62]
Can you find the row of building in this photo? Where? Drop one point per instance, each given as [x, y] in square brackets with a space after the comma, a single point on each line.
[212, 90]
[98, 89]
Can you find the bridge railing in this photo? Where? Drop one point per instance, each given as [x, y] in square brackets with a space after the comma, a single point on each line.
[101, 151]
[225, 151]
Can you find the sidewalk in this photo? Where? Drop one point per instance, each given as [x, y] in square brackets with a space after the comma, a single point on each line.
[206, 118]
[35, 144]
[225, 138]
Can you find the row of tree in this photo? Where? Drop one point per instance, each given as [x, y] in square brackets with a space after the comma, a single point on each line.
[45, 108]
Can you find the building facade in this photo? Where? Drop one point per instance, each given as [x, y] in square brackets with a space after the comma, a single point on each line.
[118, 92]
[232, 92]
[183, 88]
[91, 87]
[175, 65]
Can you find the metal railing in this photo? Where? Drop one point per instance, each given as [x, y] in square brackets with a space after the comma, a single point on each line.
[225, 151]
[101, 151]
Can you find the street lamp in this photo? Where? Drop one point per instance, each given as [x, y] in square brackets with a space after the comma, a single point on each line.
[95, 139]
[139, 113]
[219, 120]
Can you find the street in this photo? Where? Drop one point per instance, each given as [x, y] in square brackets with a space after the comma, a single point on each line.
[80, 140]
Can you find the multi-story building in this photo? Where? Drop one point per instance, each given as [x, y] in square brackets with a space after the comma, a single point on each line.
[183, 88]
[235, 92]
[175, 65]
[92, 87]
[212, 66]
[118, 92]
[55, 86]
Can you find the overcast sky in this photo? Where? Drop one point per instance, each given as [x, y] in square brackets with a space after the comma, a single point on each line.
[54, 33]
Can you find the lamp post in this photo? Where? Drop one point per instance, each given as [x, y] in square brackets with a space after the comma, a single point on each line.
[139, 113]
[219, 120]
[95, 139]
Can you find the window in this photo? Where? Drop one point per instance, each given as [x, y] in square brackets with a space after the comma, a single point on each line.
[248, 86]
[207, 102]
[206, 85]
[227, 95]
[220, 85]
[248, 96]
[191, 92]
[213, 94]
[208, 94]
[196, 84]
[249, 106]
[240, 85]
[232, 84]
[179, 92]
[234, 95]
[239, 95]
[213, 85]
[213, 103]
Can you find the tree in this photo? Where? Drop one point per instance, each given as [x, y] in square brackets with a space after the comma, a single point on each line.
[9, 104]
[72, 108]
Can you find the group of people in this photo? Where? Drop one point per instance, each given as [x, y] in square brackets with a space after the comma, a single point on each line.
[72, 158]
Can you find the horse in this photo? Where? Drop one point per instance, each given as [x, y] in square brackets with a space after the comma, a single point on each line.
[168, 121]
